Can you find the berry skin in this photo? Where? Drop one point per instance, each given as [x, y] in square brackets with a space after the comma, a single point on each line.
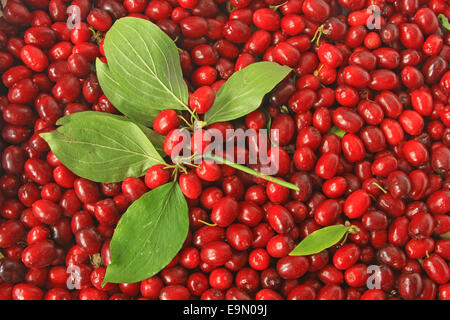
[26, 291]
[47, 211]
[437, 269]
[286, 54]
[346, 256]
[236, 31]
[166, 121]
[225, 211]
[266, 19]
[357, 204]
[175, 141]
[34, 58]
[202, 99]
[156, 176]
[99, 19]
[190, 185]
[280, 219]
[216, 253]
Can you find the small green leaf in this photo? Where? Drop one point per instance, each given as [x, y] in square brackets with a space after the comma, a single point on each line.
[444, 21]
[243, 92]
[339, 132]
[445, 235]
[102, 147]
[143, 75]
[149, 235]
[320, 240]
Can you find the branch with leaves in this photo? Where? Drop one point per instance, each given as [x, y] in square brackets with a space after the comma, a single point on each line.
[143, 77]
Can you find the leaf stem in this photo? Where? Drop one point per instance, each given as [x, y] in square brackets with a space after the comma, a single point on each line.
[253, 172]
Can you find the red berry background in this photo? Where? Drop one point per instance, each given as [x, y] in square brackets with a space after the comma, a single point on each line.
[387, 88]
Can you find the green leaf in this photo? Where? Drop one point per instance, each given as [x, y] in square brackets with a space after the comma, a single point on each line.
[444, 21]
[320, 240]
[156, 139]
[143, 75]
[102, 147]
[243, 92]
[339, 132]
[148, 235]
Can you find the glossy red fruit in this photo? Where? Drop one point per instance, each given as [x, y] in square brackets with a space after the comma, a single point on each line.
[47, 211]
[166, 121]
[67, 88]
[330, 55]
[236, 31]
[190, 185]
[331, 292]
[208, 171]
[346, 256]
[34, 58]
[202, 99]
[216, 253]
[327, 212]
[99, 19]
[327, 165]
[422, 102]
[266, 19]
[276, 193]
[411, 36]
[437, 269]
[40, 254]
[286, 54]
[26, 291]
[316, 10]
[225, 211]
[156, 176]
[280, 219]
[415, 152]
[357, 204]
[356, 76]
[292, 267]
[89, 239]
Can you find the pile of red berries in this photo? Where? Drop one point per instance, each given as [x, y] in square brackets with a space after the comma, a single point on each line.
[386, 84]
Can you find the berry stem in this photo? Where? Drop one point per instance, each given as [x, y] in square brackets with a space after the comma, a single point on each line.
[380, 187]
[207, 223]
[318, 35]
[275, 8]
[253, 172]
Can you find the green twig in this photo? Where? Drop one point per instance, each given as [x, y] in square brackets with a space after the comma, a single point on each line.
[253, 172]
